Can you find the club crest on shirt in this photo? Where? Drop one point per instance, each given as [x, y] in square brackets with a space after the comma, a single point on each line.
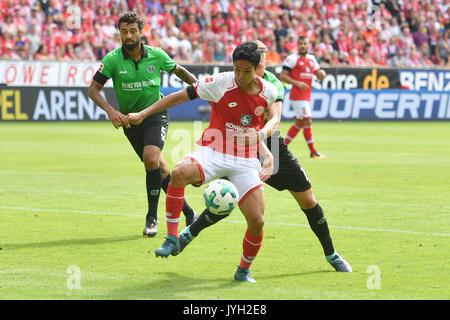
[246, 120]
[259, 110]
[151, 68]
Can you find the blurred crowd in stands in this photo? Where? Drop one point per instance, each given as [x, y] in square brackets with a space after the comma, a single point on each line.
[403, 33]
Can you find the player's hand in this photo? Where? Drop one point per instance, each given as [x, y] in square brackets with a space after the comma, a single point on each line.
[267, 168]
[134, 118]
[246, 137]
[117, 118]
[301, 85]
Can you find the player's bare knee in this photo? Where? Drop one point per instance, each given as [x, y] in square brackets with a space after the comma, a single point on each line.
[151, 162]
[178, 177]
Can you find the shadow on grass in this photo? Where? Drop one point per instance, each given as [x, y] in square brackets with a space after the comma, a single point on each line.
[179, 286]
[67, 242]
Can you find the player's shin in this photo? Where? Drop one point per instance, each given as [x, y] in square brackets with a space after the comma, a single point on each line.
[174, 205]
[187, 210]
[205, 220]
[319, 226]
[153, 184]
[251, 245]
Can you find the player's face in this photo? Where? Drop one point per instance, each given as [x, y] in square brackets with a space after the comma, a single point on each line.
[244, 71]
[303, 46]
[130, 35]
[262, 65]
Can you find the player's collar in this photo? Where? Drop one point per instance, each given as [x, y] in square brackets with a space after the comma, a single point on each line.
[144, 53]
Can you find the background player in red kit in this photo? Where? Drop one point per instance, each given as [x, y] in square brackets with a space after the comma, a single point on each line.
[299, 70]
[239, 100]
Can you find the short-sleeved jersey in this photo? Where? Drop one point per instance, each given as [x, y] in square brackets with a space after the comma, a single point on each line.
[269, 76]
[301, 69]
[137, 85]
[232, 110]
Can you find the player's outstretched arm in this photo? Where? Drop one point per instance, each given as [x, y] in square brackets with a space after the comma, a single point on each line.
[165, 103]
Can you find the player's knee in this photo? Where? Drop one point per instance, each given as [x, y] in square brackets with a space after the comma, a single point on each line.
[178, 177]
[256, 224]
[151, 161]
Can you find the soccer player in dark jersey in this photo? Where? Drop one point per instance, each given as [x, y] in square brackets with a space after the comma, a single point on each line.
[135, 70]
[289, 175]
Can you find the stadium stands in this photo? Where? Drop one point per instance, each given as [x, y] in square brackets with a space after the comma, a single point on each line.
[407, 33]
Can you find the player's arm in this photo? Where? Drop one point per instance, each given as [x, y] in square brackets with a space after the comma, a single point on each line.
[165, 103]
[285, 77]
[117, 118]
[320, 74]
[267, 166]
[184, 74]
[273, 119]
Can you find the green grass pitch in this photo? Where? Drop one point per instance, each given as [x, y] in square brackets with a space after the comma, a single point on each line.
[72, 207]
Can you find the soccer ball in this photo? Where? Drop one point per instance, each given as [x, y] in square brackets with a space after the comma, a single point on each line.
[221, 197]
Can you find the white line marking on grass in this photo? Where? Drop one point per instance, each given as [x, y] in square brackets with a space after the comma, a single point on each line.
[229, 221]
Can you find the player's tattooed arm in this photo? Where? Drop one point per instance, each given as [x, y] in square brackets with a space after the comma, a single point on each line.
[184, 74]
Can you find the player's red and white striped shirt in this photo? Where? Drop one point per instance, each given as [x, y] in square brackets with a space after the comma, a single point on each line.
[232, 111]
[301, 69]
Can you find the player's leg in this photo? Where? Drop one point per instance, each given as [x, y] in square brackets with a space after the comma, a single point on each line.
[188, 212]
[306, 123]
[148, 146]
[319, 226]
[252, 207]
[299, 114]
[153, 180]
[186, 172]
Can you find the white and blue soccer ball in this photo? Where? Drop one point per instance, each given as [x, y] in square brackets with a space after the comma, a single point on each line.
[221, 197]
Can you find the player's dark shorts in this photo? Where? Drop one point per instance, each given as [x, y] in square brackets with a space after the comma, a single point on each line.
[147, 133]
[290, 174]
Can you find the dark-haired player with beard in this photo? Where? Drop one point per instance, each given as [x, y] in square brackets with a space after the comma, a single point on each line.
[135, 70]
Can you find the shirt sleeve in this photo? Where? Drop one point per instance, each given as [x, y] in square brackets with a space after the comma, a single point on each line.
[168, 64]
[106, 68]
[212, 88]
[290, 62]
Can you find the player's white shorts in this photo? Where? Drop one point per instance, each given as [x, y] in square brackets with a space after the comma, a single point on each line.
[242, 172]
[302, 108]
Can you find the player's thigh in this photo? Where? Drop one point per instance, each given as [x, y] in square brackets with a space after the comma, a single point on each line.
[302, 109]
[289, 174]
[186, 172]
[305, 199]
[244, 174]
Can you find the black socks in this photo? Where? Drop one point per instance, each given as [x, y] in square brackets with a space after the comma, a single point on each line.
[319, 226]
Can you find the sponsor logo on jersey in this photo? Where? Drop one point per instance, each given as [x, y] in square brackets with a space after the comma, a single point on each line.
[259, 110]
[123, 72]
[246, 120]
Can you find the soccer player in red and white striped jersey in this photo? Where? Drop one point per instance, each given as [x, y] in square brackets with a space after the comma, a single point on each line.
[299, 70]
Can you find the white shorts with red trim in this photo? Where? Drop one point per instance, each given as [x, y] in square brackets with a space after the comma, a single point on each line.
[242, 172]
[302, 108]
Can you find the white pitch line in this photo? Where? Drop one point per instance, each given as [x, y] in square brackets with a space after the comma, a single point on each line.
[231, 221]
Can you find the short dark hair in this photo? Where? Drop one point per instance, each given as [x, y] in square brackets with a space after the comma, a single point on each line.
[248, 51]
[302, 37]
[131, 17]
